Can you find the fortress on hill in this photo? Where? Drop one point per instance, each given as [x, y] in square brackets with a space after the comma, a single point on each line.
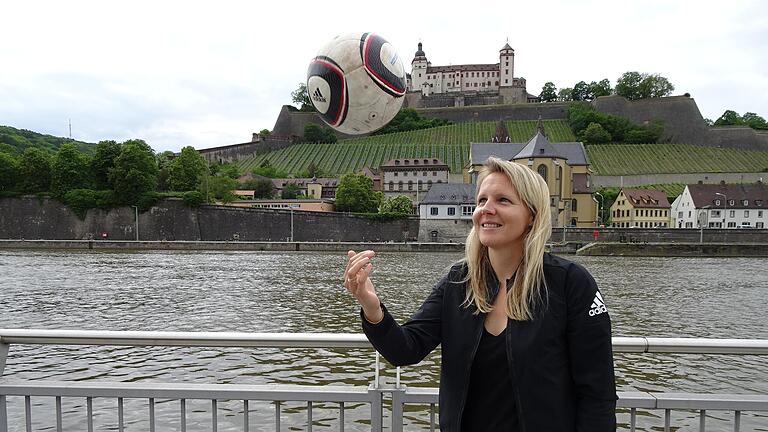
[491, 92]
[468, 84]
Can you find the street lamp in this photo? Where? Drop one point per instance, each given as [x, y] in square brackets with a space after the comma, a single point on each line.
[725, 205]
[137, 221]
[702, 212]
[600, 209]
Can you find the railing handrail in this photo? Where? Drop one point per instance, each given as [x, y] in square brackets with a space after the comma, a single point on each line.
[337, 340]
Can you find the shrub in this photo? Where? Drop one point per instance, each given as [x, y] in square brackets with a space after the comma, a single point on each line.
[193, 199]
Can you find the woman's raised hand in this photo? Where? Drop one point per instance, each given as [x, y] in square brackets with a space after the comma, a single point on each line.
[358, 282]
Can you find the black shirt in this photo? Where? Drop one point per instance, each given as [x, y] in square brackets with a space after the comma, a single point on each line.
[490, 401]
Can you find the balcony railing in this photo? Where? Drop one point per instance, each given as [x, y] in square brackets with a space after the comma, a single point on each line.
[372, 395]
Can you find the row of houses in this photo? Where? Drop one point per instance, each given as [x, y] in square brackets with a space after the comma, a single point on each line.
[440, 195]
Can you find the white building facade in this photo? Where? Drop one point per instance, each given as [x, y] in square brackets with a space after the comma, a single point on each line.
[411, 175]
[448, 201]
[465, 78]
[721, 206]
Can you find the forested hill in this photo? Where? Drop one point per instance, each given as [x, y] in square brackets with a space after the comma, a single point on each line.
[21, 139]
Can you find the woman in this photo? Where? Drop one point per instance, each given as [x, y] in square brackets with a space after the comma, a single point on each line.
[525, 335]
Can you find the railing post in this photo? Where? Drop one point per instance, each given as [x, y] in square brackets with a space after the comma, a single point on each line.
[3, 415]
[377, 413]
[398, 394]
[4, 347]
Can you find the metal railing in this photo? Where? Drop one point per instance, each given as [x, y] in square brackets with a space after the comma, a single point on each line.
[374, 394]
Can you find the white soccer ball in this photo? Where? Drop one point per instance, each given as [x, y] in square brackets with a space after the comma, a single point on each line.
[357, 83]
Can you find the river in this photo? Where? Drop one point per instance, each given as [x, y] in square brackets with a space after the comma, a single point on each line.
[301, 292]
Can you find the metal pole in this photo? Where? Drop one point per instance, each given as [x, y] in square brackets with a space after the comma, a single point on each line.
[136, 208]
[291, 223]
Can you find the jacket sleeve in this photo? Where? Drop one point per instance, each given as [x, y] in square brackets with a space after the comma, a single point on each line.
[591, 354]
[409, 343]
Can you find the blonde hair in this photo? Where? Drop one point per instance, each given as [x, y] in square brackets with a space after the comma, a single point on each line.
[529, 284]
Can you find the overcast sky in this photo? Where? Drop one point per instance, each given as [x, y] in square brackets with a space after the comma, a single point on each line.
[211, 73]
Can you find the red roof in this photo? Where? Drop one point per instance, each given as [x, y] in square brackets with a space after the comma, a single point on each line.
[647, 198]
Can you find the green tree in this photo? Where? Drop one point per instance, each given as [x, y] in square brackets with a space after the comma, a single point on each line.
[9, 172]
[221, 188]
[655, 86]
[103, 162]
[265, 132]
[318, 134]
[228, 170]
[187, 170]
[290, 191]
[314, 171]
[565, 94]
[548, 92]
[263, 189]
[729, 118]
[408, 119]
[636, 85]
[754, 121]
[355, 194]
[581, 92]
[35, 170]
[601, 88]
[595, 134]
[399, 204]
[164, 160]
[9, 149]
[300, 97]
[69, 170]
[628, 85]
[135, 172]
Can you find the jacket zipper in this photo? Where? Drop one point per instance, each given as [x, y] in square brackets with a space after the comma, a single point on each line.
[469, 370]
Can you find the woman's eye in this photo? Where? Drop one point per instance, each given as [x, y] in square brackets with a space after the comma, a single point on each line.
[481, 200]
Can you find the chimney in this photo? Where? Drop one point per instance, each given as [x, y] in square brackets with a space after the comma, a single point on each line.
[255, 137]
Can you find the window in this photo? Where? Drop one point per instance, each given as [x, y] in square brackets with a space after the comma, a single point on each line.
[410, 185]
[506, 81]
[745, 202]
[466, 210]
[759, 225]
[542, 170]
[759, 213]
[434, 173]
[391, 185]
[396, 174]
[714, 213]
[574, 205]
[746, 213]
[731, 224]
[400, 185]
[433, 211]
[679, 215]
[717, 202]
[732, 213]
[451, 211]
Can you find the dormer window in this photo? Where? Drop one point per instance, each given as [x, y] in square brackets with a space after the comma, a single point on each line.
[541, 151]
[406, 161]
[745, 202]
[731, 202]
[415, 161]
[397, 162]
[717, 202]
[759, 203]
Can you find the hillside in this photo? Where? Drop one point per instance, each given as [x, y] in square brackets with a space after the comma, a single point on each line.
[627, 159]
[448, 143]
[22, 139]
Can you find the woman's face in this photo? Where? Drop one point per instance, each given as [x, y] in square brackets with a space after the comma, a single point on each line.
[501, 219]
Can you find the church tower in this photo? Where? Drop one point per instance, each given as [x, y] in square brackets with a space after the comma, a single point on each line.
[506, 66]
[419, 66]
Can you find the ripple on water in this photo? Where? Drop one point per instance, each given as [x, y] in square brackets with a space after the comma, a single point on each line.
[301, 292]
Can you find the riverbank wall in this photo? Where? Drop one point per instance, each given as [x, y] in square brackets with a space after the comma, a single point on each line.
[694, 250]
[171, 220]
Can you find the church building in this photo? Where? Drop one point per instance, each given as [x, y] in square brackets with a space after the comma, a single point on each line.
[564, 166]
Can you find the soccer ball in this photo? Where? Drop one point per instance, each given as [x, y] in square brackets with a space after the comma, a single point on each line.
[356, 83]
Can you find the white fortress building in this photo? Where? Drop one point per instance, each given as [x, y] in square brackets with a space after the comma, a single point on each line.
[486, 80]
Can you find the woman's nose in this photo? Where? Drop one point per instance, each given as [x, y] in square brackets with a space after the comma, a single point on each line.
[489, 208]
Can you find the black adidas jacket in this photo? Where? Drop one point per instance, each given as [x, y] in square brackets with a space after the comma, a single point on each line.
[561, 362]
